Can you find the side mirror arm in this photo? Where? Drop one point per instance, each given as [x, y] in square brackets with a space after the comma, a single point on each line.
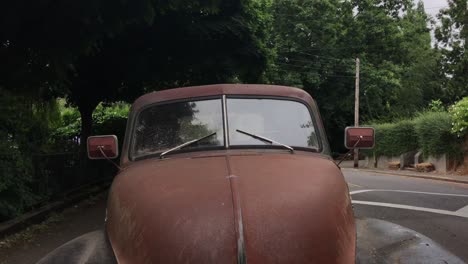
[107, 158]
[349, 152]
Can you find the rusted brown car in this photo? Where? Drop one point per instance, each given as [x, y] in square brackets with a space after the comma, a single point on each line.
[226, 174]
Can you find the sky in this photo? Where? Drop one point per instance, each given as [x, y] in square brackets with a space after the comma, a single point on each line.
[432, 6]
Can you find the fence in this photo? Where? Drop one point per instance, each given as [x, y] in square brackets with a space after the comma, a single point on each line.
[56, 175]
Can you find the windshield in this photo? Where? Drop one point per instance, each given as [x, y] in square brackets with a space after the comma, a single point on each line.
[163, 127]
[285, 121]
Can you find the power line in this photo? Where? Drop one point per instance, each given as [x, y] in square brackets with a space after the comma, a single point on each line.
[309, 60]
[308, 63]
[335, 48]
[313, 67]
[301, 20]
[321, 75]
[313, 55]
[314, 63]
[361, 46]
[323, 63]
[425, 8]
[315, 59]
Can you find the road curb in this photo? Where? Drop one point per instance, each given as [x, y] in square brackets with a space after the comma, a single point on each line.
[446, 179]
[36, 216]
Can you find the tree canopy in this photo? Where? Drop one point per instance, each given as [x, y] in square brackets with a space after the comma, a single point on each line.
[95, 51]
[104, 51]
[316, 43]
[452, 36]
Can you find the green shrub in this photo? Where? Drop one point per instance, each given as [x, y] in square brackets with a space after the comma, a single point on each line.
[16, 177]
[434, 134]
[430, 132]
[28, 128]
[459, 114]
[394, 139]
[436, 106]
[109, 119]
[24, 129]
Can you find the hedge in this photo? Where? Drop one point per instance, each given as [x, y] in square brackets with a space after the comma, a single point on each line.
[433, 130]
[393, 139]
[429, 132]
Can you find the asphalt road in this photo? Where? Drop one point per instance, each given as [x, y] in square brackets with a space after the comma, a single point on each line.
[29, 246]
[436, 209]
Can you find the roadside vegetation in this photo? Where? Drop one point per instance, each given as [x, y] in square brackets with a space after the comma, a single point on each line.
[434, 131]
[61, 82]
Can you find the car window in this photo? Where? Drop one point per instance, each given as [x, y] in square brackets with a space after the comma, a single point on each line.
[161, 127]
[285, 121]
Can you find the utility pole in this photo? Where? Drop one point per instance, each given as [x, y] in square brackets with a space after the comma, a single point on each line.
[356, 112]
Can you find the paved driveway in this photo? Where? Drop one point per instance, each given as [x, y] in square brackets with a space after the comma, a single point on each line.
[436, 209]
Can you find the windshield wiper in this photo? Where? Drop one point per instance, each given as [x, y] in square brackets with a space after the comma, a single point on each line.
[264, 139]
[185, 144]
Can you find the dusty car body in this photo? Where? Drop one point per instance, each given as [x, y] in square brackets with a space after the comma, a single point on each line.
[231, 203]
[256, 185]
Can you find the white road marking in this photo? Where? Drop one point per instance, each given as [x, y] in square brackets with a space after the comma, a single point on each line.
[463, 210]
[402, 191]
[459, 213]
[360, 191]
[354, 185]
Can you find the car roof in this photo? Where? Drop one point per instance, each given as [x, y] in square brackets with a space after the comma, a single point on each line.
[221, 89]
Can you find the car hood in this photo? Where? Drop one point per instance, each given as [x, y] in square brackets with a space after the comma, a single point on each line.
[255, 208]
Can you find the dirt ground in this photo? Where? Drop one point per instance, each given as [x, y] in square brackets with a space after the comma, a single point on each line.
[30, 245]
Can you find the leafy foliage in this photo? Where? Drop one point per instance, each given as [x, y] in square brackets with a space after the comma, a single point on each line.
[107, 52]
[436, 106]
[430, 132]
[15, 192]
[316, 43]
[452, 36]
[459, 113]
[111, 119]
[24, 129]
[108, 119]
[36, 130]
[393, 139]
[433, 132]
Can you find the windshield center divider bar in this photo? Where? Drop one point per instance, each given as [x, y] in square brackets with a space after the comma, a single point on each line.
[226, 134]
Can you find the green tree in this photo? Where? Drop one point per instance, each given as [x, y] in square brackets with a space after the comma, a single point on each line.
[98, 51]
[315, 44]
[307, 39]
[25, 126]
[452, 36]
[421, 76]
